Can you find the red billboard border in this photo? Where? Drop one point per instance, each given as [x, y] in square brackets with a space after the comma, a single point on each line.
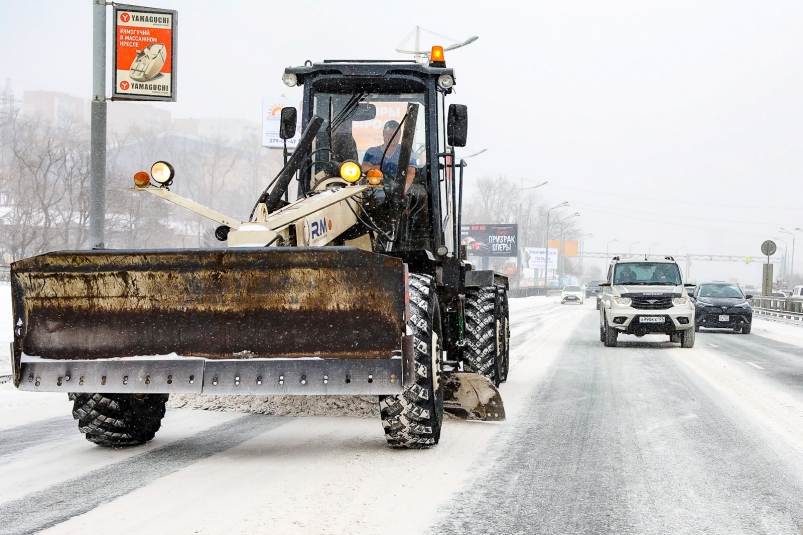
[174, 33]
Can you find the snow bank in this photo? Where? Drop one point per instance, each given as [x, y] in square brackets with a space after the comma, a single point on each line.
[781, 331]
[6, 328]
[352, 406]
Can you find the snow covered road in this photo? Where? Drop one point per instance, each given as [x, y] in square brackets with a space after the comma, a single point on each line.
[643, 438]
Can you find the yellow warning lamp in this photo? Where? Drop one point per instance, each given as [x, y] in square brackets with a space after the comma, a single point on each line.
[436, 58]
[142, 179]
[374, 176]
[350, 172]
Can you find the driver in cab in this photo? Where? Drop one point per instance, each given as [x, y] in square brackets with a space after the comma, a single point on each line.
[390, 150]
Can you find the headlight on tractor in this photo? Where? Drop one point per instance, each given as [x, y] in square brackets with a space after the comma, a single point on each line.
[680, 301]
[350, 172]
[374, 177]
[624, 301]
[162, 172]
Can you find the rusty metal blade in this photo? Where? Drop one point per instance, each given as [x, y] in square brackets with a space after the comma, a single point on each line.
[327, 302]
[472, 397]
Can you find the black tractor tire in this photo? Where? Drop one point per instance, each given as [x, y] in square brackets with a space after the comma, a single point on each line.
[481, 353]
[504, 337]
[413, 419]
[687, 338]
[117, 420]
[747, 328]
[611, 335]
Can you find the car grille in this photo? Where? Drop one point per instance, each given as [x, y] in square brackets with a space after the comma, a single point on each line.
[648, 302]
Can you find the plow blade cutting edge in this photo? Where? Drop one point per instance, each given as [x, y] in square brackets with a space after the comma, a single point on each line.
[472, 397]
[275, 303]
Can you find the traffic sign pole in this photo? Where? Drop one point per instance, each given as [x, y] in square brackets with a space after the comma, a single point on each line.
[97, 181]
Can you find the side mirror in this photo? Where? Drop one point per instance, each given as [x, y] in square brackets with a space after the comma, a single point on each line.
[365, 112]
[457, 125]
[287, 128]
[604, 285]
[748, 296]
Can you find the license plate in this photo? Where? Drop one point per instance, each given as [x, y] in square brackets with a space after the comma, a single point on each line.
[724, 318]
[652, 319]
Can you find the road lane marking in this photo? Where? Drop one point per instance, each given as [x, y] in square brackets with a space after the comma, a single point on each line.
[712, 345]
[755, 365]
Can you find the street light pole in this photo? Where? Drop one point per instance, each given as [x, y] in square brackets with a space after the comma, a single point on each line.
[630, 250]
[649, 249]
[582, 249]
[562, 250]
[793, 250]
[608, 244]
[785, 257]
[545, 182]
[546, 245]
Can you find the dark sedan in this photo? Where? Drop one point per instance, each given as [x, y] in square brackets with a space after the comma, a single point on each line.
[722, 306]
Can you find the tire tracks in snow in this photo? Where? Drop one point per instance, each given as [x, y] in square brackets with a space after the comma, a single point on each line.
[39, 432]
[58, 503]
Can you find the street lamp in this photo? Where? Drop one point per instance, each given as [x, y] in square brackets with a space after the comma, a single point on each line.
[546, 245]
[606, 246]
[793, 249]
[472, 155]
[649, 249]
[532, 187]
[630, 250]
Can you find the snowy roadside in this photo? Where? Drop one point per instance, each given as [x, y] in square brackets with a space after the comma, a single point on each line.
[779, 331]
[6, 329]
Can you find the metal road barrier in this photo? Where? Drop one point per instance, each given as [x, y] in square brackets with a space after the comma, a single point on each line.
[787, 308]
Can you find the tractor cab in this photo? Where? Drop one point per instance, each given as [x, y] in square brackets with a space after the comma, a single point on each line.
[384, 121]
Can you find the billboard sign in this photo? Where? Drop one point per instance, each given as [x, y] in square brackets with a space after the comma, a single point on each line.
[144, 50]
[490, 240]
[271, 121]
[534, 258]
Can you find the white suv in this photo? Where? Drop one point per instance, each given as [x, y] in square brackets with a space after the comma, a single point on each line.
[645, 297]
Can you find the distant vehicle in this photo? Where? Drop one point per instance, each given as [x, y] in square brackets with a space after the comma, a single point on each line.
[645, 297]
[592, 288]
[751, 289]
[721, 305]
[572, 294]
[779, 293]
[797, 292]
[690, 288]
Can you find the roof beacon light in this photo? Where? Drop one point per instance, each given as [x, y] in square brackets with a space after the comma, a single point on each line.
[142, 179]
[436, 58]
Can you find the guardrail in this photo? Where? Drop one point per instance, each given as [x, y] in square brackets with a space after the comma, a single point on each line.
[5, 273]
[778, 307]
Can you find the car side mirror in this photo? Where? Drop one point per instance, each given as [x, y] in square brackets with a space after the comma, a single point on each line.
[287, 127]
[748, 296]
[457, 125]
[604, 285]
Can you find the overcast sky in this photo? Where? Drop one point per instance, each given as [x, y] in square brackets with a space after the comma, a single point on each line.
[676, 123]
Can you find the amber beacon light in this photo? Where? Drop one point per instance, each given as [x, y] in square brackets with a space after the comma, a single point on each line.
[436, 58]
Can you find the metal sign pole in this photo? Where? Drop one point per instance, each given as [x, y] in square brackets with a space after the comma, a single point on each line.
[97, 184]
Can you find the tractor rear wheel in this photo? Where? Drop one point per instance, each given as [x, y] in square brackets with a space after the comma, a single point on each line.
[413, 418]
[482, 350]
[119, 419]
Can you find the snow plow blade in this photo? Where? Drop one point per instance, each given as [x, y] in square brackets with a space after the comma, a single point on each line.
[472, 397]
[282, 303]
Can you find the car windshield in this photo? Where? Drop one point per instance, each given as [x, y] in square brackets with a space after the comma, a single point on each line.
[727, 291]
[648, 273]
[571, 288]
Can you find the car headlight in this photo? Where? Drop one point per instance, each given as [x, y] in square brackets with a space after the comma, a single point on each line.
[680, 301]
[624, 301]
[743, 305]
[350, 171]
